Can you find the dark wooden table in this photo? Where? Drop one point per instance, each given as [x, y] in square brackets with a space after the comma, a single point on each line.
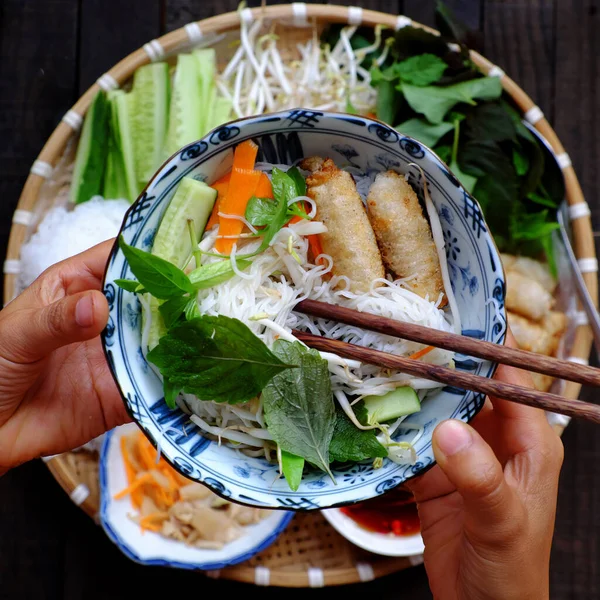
[52, 50]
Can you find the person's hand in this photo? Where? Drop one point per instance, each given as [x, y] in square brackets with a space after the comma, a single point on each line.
[487, 508]
[56, 391]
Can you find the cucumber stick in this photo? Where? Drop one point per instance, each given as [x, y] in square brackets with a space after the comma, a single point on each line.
[90, 161]
[193, 201]
[397, 403]
[151, 91]
[115, 184]
[124, 105]
[206, 62]
[185, 113]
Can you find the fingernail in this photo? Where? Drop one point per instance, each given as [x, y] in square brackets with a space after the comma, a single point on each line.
[84, 312]
[452, 437]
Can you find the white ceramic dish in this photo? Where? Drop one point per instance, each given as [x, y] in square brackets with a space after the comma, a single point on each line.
[152, 549]
[379, 543]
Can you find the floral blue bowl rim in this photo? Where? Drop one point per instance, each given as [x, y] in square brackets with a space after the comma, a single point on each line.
[367, 146]
[153, 550]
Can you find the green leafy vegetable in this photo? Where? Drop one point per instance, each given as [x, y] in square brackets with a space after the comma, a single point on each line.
[424, 131]
[489, 121]
[350, 444]
[387, 97]
[130, 285]
[466, 180]
[434, 102]
[292, 467]
[295, 175]
[421, 70]
[260, 211]
[298, 404]
[159, 277]
[208, 276]
[171, 392]
[216, 358]
[172, 309]
[520, 161]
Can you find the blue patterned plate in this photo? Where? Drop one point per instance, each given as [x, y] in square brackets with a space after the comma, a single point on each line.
[285, 137]
[152, 549]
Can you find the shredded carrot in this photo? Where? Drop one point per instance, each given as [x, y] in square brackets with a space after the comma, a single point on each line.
[314, 243]
[146, 478]
[371, 115]
[422, 352]
[221, 185]
[264, 189]
[242, 188]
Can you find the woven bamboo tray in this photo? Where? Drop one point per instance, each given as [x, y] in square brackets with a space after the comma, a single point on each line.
[309, 552]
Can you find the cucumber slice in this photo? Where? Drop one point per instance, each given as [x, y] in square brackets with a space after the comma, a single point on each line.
[206, 61]
[193, 200]
[220, 113]
[397, 403]
[185, 120]
[115, 184]
[90, 161]
[124, 107]
[151, 89]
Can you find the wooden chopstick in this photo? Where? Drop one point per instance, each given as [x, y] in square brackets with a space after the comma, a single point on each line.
[522, 359]
[460, 379]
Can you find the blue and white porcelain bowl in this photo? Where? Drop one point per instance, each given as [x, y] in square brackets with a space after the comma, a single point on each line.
[150, 548]
[286, 137]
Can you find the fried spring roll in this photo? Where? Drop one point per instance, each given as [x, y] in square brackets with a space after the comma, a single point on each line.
[349, 239]
[404, 236]
[532, 336]
[526, 296]
[530, 268]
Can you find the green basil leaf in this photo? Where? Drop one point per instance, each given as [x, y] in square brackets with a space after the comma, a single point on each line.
[130, 285]
[292, 467]
[350, 444]
[532, 226]
[412, 41]
[424, 131]
[434, 102]
[172, 309]
[298, 404]
[295, 175]
[421, 70]
[541, 197]
[260, 211]
[387, 97]
[159, 277]
[208, 276]
[191, 310]
[216, 358]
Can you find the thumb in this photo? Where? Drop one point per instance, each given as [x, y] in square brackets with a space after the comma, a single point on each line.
[31, 335]
[491, 506]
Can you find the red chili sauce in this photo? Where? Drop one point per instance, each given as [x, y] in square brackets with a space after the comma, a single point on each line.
[394, 512]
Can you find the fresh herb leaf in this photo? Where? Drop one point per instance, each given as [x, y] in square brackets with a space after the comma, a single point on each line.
[172, 309]
[284, 190]
[434, 101]
[298, 404]
[453, 29]
[533, 226]
[130, 285]
[292, 467]
[216, 358]
[159, 277]
[171, 392]
[296, 176]
[350, 444]
[421, 70]
[424, 131]
[541, 197]
[387, 98]
[412, 41]
[444, 152]
[191, 310]
[466, 180]
[260, 211]
[489, 121]
[208, 276]
[520, 161]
